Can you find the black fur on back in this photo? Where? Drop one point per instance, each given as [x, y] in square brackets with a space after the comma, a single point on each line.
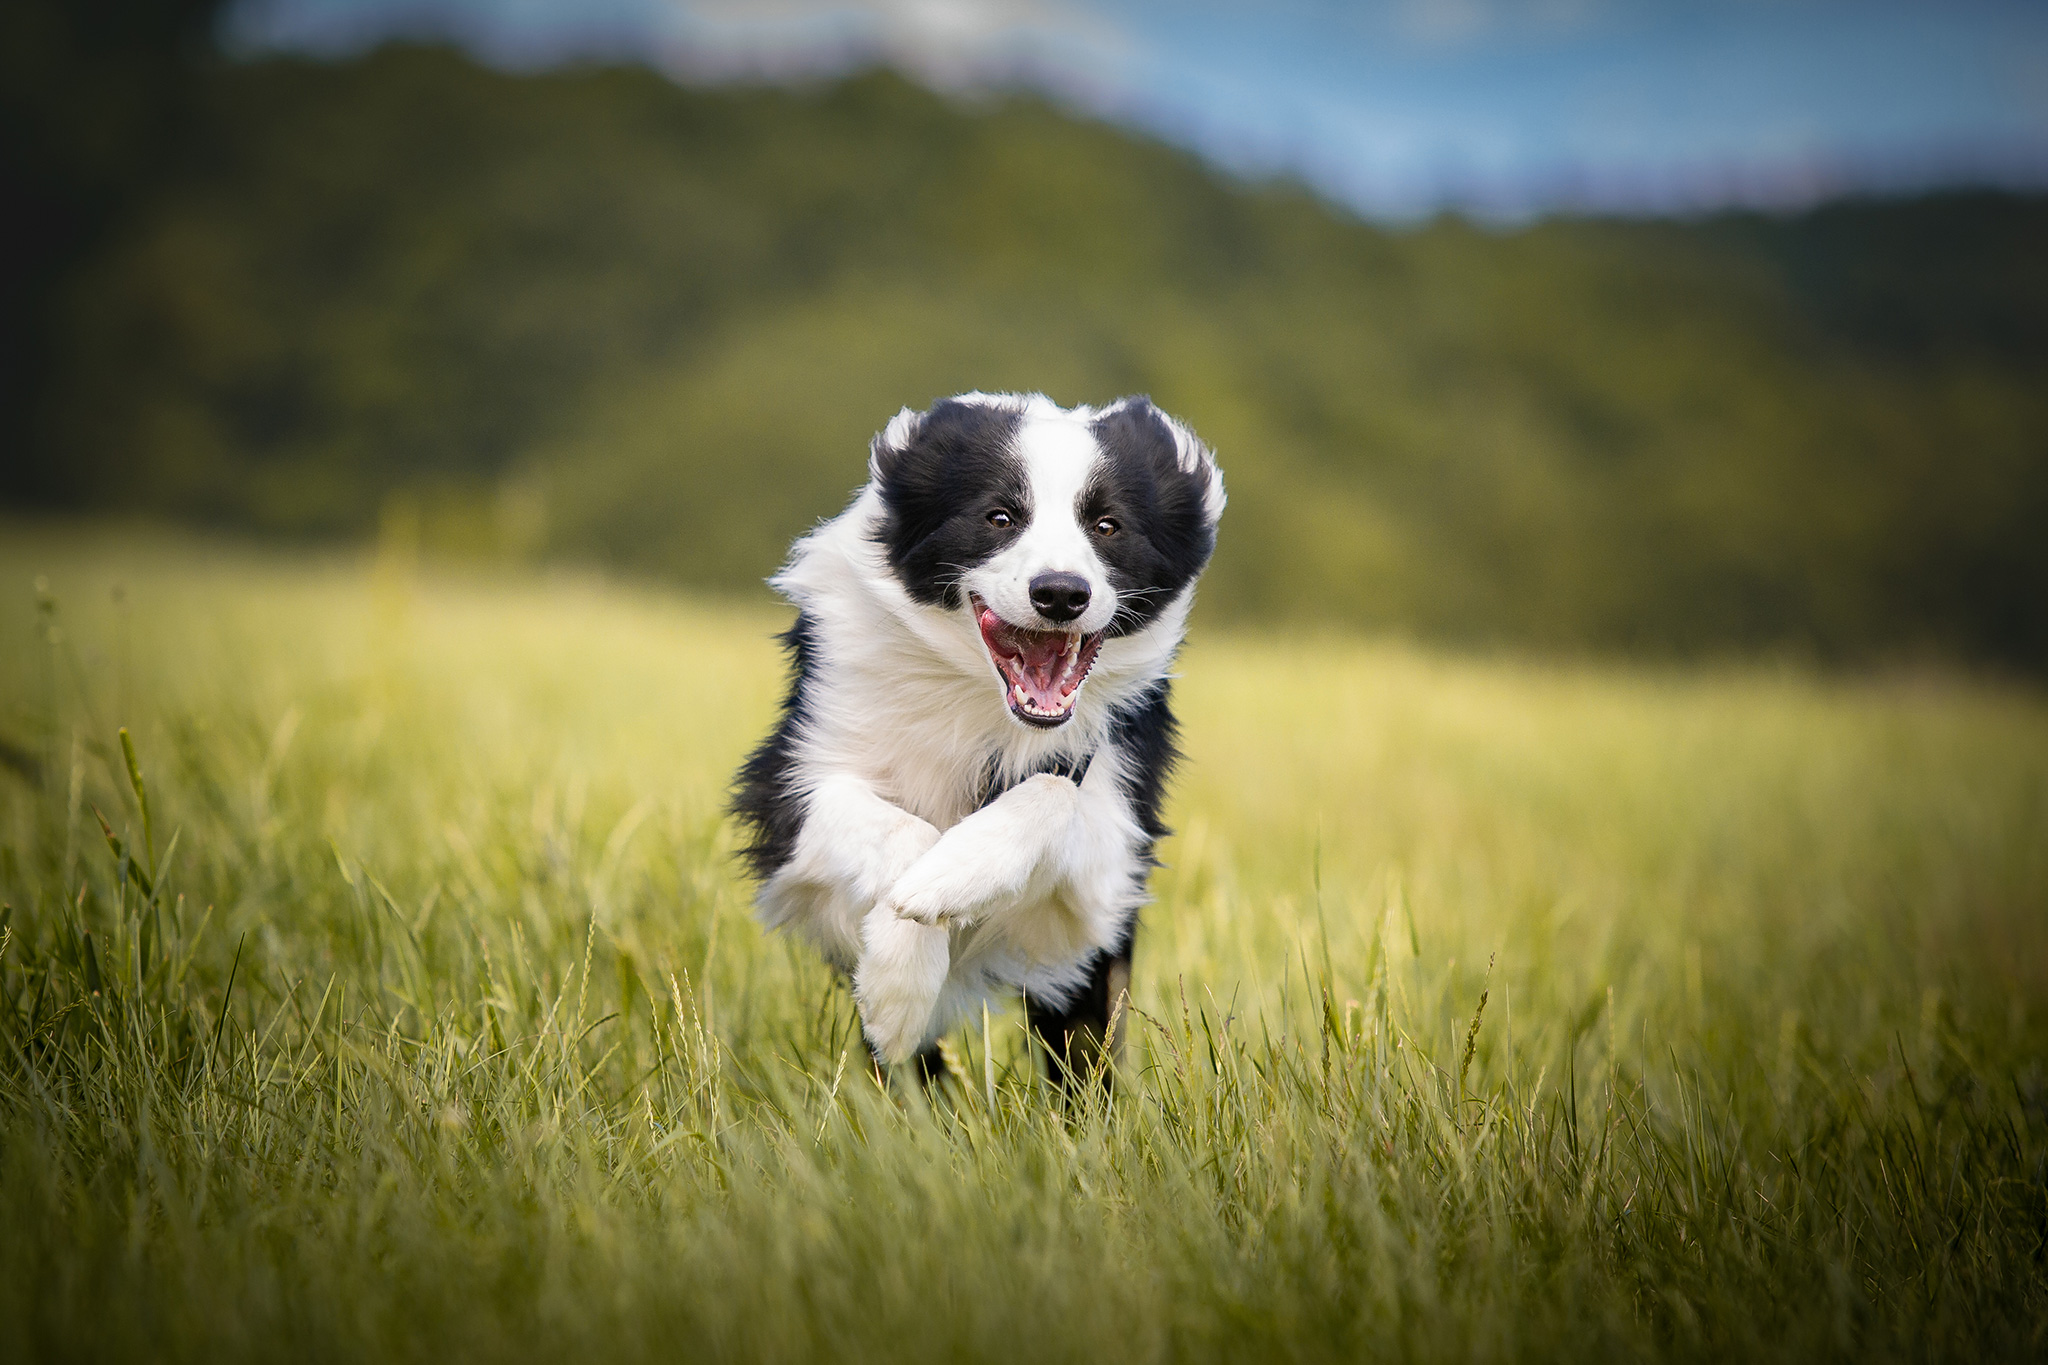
[1165, 536]
[939, 488]
[761, 795]
[1144, 733]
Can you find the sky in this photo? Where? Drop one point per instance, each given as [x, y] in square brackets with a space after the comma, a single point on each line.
[1398, 108]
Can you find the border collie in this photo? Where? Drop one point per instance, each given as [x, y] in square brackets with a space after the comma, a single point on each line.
[962, 795]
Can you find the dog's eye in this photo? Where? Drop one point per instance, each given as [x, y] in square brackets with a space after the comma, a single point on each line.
[1106, 527]
[1000, 519]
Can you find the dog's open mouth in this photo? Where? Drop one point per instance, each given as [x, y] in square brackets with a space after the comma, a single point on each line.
[1042, 669]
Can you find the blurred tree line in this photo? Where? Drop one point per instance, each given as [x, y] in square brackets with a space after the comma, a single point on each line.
[593, 314]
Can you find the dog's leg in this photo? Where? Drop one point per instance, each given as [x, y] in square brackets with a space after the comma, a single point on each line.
[902, 969]
[1045, 839]
[993, 857]
[854, 840]
[989, 859]
[859, 844]
[1076, 1036]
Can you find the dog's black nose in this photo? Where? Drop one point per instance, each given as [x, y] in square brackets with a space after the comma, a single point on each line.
[1059, 596]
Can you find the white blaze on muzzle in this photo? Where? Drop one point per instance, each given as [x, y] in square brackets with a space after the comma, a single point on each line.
[1041, 661]
[1058, 453]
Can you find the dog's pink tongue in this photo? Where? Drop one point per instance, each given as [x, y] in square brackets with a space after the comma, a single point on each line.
[1045, 654]
[1042, 650]
[1038, 656]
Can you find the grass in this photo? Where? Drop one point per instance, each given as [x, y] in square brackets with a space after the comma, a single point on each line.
[408, 1007]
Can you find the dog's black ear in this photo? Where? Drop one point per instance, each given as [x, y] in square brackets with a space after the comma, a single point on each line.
[939, 447]
[892, 441]
[1133, 428]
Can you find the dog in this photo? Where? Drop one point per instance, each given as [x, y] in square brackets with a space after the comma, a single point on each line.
[961, 797]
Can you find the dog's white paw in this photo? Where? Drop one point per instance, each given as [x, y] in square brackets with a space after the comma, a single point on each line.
[942, 892]
[897, 982]
[986, 860]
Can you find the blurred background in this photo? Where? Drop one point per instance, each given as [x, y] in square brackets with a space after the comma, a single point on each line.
[1703, 328]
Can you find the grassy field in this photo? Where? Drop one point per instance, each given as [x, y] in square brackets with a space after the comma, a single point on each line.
[1488, 1010]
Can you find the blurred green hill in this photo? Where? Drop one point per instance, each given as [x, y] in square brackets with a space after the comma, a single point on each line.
[593, 314]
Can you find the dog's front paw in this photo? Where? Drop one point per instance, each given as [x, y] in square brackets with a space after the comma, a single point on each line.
[987, 860]
[944, 892]
[897, 982]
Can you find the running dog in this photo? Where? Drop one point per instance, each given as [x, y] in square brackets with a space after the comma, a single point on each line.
[962, 795]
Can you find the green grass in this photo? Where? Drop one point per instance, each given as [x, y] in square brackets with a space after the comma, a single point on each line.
[1489, 1009]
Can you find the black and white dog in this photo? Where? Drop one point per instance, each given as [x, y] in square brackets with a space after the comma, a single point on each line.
[962, 794]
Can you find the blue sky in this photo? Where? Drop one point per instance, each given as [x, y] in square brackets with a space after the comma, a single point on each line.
[1397, 107]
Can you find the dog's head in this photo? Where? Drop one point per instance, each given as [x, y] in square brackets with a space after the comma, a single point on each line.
[1055, 528]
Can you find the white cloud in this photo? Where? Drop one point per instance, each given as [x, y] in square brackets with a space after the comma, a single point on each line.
[951, 43]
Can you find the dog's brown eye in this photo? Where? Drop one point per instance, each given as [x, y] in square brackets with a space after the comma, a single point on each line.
[1106, 527]
[999, 519]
